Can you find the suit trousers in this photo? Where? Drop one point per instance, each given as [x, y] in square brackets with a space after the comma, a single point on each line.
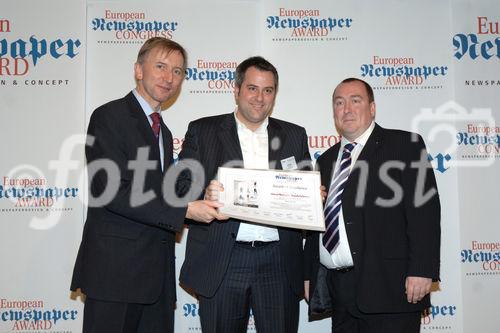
[256, 283]
[118, 317]
[347, 318]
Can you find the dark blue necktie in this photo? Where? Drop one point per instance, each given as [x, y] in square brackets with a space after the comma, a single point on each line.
[334, 200]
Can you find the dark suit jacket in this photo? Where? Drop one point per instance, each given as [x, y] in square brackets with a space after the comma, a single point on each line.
[387, 243]
[213, 141]
[126, 252]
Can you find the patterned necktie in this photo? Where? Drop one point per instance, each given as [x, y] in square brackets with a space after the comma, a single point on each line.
[156, 123]
[333, 202]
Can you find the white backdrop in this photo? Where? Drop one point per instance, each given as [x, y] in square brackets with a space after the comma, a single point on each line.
[48, 93]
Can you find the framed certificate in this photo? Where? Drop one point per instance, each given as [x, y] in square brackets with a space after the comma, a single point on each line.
[289, 199]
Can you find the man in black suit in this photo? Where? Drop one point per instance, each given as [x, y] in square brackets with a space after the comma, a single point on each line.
[234, 266]
[376, 265]
[125, 263]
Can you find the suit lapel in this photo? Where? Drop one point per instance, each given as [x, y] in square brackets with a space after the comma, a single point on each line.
[372, 144]
[228, 138]
[167, 146]
[230, 143]
[144, 128]
[276, 142]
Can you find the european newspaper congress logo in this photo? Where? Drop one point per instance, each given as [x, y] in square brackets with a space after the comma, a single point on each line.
[211, 77]
[481, 258]
[19, 57]
[300, 24]
[131, 27]
[482, 45]
[22, 315]
[466, 138]
[403, 73]
[479, 141]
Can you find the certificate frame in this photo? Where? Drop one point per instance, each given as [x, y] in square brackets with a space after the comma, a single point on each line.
[290, 199]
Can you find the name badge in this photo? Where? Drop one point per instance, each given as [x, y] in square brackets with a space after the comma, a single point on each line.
[289, 163]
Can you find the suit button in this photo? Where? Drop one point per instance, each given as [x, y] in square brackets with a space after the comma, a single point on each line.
[164, 241]
[354, 253]
[348, 222]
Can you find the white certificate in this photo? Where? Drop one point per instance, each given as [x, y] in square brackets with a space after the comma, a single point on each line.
[289, 199]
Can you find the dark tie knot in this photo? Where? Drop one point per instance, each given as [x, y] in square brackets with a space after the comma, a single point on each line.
[156, 117]
[349, 147]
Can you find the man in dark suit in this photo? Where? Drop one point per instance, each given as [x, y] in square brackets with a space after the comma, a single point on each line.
[234, 266]
[125, 263]
[376, 261]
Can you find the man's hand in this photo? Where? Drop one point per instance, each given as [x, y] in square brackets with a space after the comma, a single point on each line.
[204, 211]
[212, 190]
[306, 290]
[417, 287]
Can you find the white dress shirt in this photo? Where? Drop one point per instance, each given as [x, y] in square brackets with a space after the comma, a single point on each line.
[342, 255]
[254, 146]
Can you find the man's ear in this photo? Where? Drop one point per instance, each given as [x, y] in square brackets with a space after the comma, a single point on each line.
[373, 109]
[138, 71]
[236, 94]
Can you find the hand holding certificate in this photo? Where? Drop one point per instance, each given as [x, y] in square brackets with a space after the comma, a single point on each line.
[289, 199]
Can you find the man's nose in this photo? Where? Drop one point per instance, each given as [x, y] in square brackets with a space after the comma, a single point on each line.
[260, 95]
[168, 75]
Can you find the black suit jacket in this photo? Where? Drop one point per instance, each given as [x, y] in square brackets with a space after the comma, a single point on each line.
[127, 250]
[213, 141]
[387, 243]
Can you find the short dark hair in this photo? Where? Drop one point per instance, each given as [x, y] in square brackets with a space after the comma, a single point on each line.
[369, 90]
[164, 44]
[259, 63]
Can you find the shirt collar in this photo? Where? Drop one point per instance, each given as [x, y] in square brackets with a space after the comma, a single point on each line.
[148, 110]
[262, 129]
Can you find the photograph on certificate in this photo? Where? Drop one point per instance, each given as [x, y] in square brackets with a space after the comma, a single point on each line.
[245, 193]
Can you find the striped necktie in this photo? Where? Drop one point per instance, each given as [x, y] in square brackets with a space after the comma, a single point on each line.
[334, 203]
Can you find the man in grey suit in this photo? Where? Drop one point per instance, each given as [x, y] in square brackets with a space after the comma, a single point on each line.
[234, 266]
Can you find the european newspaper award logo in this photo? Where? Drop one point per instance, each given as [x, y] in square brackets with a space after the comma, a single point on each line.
[20, 56]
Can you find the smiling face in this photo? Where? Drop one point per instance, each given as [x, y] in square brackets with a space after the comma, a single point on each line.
[352, 110]
[255, 98]
[159, 76]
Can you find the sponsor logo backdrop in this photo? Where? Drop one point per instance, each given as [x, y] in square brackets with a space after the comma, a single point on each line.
[42, 94]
